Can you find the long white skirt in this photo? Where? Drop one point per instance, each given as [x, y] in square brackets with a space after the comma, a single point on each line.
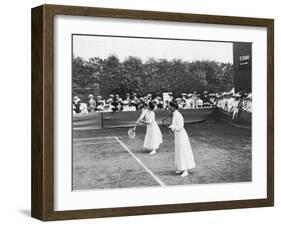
[184, 158]
[153, 136]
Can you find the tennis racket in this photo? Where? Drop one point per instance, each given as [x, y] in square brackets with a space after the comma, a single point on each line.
[132, 132]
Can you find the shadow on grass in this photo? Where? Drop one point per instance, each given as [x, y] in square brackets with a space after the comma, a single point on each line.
[168, 173]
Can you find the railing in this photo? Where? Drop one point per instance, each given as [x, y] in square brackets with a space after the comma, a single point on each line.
[99, 120]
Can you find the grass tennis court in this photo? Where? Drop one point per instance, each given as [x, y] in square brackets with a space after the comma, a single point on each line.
[107, 158]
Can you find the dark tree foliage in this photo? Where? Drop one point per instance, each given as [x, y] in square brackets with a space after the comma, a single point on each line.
[110, 76]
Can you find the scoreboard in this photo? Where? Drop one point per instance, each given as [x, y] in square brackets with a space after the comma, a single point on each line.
[242, 66]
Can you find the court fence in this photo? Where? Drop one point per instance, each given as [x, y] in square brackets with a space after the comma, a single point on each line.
[100, 120]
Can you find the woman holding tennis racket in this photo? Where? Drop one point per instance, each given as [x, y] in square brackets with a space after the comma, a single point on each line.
[153, 136]
[184, 159]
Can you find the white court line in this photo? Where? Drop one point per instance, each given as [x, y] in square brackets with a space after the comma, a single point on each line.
[93, 138]
[81, 144]
[84, 128]
[140, 162]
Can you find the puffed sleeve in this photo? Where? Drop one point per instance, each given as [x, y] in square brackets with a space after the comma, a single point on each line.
[150, 118]
[177, 122]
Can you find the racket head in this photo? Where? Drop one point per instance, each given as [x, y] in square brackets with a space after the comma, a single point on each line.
[132, 133]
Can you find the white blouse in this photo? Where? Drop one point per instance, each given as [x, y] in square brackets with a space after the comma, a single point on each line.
[177, 122]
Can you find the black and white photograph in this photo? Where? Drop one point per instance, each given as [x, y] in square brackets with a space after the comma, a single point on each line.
[150, 112]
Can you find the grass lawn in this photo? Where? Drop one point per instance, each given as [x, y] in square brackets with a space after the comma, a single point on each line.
[222, 155]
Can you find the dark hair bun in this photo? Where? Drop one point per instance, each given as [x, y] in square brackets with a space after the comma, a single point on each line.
[151, 105]
[143, 106]
[174, 104]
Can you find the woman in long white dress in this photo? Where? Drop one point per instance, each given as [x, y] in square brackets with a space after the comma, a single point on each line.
[153, 136]
[184, 159]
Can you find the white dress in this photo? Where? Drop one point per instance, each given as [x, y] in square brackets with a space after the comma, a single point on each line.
[183, 153]
[153, 136]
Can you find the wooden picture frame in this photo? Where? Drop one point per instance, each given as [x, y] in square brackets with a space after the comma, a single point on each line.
[42, 203]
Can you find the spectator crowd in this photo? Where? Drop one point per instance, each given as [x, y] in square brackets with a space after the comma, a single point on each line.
[230, 102]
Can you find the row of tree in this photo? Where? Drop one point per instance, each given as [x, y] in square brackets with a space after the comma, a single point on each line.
[110, 76]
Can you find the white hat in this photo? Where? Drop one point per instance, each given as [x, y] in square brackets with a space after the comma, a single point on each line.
[76, 98]
[91, 96]
[249, 96]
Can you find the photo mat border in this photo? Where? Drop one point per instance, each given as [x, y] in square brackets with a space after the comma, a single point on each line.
[42, 184]
[128, 37]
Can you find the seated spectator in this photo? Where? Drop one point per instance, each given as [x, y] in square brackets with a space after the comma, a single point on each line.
[83, 108]
[128, 98]
[220, 101]
[179, 103]
[189, 101]
[224, 101]
[199, 102]
[247, 103]
[167, 105]
[110, 99]
[135, 101]
[108, 107]
[183, 99]
[194, 98]
[230, 98]
[158, 102]
[249, 106]
[206, 99]
[73, 109]
[182, 103]
[91, 103]
[171, 97]
[76, 104]
[213, 99]
[132, 107]
[155, 106]
[161, 104]
[126, 106]
[100, 104]
[148, 98]
[117, 103]
[118, 99]
[236, 106]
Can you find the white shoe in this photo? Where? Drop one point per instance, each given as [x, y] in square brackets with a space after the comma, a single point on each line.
[184, 174]
[153, 152]
[178, 171]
